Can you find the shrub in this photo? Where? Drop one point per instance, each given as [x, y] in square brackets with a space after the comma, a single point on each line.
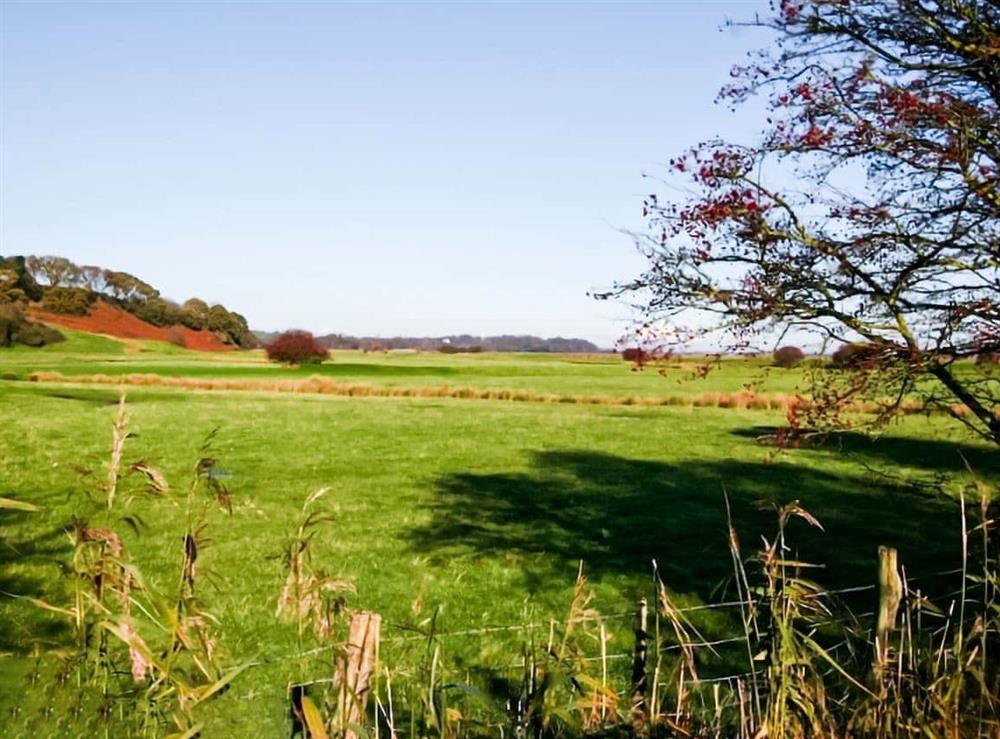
[788, 356]
[16, 329]
[9, 290]
[14, 295]
[37, 334]
[74, 301]
[11, 320]
[296, 347]
[855, 356]
[230, 327]
[635, 354]
[158, 312]
[194, 313]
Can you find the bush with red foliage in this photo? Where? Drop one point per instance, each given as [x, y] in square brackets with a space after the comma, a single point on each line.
[788, 356]
[635, 354]
[296, 347]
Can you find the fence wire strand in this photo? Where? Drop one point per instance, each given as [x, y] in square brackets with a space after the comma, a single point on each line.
[413, 634]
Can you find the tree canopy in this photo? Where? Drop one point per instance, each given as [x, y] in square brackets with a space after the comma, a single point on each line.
[868, 210]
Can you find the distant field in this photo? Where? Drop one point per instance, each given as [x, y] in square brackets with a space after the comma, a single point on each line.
[537, 373]
[483, 509]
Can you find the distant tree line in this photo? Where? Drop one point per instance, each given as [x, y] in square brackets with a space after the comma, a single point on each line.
[453, 344]
[65, 287]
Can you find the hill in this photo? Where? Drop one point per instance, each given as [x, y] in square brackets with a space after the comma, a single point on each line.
[55, 291]
[110, 320]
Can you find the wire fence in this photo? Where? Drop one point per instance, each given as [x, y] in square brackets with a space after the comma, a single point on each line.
[411, 634]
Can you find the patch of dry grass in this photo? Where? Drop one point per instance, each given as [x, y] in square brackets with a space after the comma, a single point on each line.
[318, 385]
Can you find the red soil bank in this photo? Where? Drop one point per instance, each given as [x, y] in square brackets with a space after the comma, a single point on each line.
[108, 319]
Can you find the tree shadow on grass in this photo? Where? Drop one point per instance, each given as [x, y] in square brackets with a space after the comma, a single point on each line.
[888, 452]
[27, 625]
[617, 514]
[97, 397]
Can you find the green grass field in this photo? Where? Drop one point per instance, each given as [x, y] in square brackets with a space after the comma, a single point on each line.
[482, 509]
[538, 373]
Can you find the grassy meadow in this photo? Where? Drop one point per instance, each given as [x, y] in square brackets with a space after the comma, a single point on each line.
[476, 513]
[597, 375]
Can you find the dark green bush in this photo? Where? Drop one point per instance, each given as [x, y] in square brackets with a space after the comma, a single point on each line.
[158, 312]
[11, 320]
[194, 314]
[16, 329]
[73, 301]
[231, 327]
[37, 334]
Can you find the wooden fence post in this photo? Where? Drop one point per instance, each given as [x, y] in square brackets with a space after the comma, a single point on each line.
[355, 669]
[890, 593]
[638, 713]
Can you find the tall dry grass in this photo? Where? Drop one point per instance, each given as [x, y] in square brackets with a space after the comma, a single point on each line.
[318, 385]
[809, 666]
[141, 662]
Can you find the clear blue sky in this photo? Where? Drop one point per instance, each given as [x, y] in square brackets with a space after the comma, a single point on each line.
[366, 168]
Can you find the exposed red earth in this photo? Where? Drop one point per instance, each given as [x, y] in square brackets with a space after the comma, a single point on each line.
[110, 320]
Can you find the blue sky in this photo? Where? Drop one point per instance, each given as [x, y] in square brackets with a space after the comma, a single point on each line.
[366, 168]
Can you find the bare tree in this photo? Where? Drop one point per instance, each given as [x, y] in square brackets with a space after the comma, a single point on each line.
[54, 271]
[94, 278]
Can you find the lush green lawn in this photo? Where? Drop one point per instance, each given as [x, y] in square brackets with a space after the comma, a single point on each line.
[480, 508]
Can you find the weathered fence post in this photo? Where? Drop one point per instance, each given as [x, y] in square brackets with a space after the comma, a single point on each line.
[355, 669]
[604, 674]
[638, 713]
[890, 593]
